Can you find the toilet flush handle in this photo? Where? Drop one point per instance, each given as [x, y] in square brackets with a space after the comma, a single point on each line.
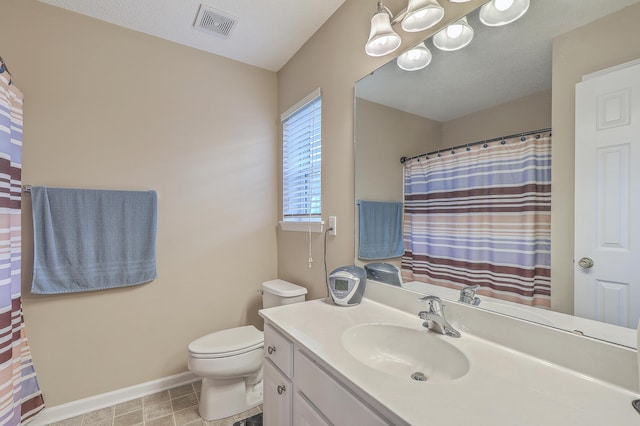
[271, 349]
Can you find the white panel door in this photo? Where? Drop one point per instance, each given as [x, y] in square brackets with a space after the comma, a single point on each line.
[607, 197]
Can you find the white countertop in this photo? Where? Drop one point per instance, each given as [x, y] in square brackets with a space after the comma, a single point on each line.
[502, 387]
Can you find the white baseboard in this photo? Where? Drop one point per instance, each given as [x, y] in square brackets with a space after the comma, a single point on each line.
[75, 408]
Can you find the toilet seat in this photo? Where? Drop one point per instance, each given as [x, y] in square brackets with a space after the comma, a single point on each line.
[226, 343]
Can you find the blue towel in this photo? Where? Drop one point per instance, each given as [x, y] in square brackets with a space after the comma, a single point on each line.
[380, 230]
[87, 239]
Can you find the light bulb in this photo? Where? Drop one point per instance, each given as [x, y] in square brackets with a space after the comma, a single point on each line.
[421, 14]
[413, 55]
[454, 30]
[503, 5]
[502, 12]
[381, 41]
[415, 59]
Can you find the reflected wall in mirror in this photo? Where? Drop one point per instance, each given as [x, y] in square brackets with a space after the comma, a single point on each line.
[510, 79]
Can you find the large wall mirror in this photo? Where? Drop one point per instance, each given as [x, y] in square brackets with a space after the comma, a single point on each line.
[509, 79]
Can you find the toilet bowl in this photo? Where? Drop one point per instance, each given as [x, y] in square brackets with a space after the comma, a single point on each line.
[230, 361]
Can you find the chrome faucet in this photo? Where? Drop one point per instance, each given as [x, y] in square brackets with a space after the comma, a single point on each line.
[468, 295]
[434, 317]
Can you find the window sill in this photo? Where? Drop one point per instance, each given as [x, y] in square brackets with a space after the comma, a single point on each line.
[302, 226]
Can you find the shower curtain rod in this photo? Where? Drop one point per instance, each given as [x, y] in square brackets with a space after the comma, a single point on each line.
[466, 145]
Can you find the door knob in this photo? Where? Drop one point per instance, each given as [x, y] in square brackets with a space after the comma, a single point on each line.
[585, 262]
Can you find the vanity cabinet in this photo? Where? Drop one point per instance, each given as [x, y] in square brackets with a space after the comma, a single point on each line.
[299, 391]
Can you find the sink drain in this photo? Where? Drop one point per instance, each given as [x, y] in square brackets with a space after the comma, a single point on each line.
[419, 377]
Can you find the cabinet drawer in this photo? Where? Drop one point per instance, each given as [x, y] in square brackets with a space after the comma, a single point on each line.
[339, 405]
[279, 350]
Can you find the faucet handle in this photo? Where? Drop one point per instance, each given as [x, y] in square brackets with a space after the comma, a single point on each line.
[470, 289]
[435, 303]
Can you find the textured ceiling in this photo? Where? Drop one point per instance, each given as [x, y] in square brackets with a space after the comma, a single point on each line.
[501, 63]
[267, 33]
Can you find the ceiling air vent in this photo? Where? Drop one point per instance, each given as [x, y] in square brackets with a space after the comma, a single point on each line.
[213, 21]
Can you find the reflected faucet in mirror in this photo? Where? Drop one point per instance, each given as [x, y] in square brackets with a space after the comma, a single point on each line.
[468, 295]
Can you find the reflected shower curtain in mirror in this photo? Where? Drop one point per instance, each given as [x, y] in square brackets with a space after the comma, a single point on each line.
[20, 396]
[482, 215]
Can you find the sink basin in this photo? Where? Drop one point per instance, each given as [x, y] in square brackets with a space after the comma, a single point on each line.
[405, 353]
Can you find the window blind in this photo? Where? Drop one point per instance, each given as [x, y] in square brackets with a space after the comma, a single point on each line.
[302, 161]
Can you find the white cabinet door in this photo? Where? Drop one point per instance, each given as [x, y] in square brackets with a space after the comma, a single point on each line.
[339, 405]
[304, 414]
[607, 205]
[277, 402]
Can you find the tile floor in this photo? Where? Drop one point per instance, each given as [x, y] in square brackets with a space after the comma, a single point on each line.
[173, 407]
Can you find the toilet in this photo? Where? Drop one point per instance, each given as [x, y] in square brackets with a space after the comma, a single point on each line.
[230, 361]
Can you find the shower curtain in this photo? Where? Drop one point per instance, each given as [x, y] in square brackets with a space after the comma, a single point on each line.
[482, 215]
[20, 396]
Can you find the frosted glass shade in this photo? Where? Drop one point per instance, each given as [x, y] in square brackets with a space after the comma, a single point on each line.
[415, 58]
[382, 39]
[455, 36]
[422, 14]
[502, 12]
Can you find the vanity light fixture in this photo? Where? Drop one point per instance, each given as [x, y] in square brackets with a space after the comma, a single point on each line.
[421, 15]
[382, 39]
[415, 58]
[502, 12]
[455, 36]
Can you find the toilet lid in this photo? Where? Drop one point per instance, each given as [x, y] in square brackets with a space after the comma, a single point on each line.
[229, 342]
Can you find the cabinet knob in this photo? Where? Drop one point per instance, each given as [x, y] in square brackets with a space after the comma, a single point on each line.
[281, 389]
[271, 349]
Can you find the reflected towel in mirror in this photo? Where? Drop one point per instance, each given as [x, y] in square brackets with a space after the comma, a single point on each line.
[380, 230]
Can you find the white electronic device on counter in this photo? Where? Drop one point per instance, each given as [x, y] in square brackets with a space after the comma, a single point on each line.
[346, 285]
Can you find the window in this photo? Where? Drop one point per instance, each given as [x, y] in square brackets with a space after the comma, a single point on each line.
[301, 165]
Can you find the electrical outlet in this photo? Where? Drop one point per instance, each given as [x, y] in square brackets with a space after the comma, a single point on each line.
[332, 225]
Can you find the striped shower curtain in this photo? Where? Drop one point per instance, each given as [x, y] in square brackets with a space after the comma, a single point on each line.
[482, 215]
[20, 396]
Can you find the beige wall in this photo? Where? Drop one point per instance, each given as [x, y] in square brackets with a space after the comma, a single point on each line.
[531, 112]
[384, 135]
[110, 108]
[334, 59]
[604, 43]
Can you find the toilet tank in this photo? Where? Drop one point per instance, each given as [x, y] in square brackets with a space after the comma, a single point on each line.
[280, 292]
